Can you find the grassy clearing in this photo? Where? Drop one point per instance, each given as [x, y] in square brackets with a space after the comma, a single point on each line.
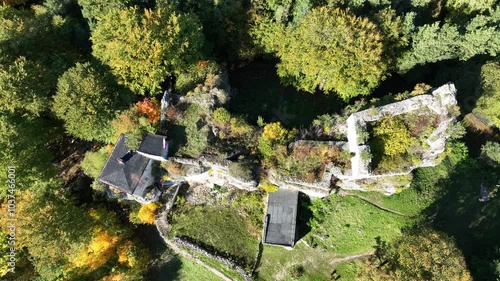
[277, 263]
[348, 270]
[424, 189]
[348, 225]
[229, 228]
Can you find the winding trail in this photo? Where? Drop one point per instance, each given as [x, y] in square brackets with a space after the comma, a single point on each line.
[351, 257]
[346, 193]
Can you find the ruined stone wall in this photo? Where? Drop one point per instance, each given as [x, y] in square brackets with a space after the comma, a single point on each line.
[230, 263]
[212, 170]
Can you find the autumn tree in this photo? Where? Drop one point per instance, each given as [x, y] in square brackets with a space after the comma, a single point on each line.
[329, 49]
[144, 47]
[87, 100]
[427, 255]
[68, 242]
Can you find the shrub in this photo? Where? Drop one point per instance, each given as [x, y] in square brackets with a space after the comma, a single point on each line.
[297, 271]
[147, 213]
[275, 133]
[221, 116]
[393, 136]
[133, 125]
[175, 168]
[268, 187]
[93, 162]
[242, 171]
[150, 108]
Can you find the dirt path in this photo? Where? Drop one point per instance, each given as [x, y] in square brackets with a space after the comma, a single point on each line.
[351, 257]
[160, 226]
[346, 193]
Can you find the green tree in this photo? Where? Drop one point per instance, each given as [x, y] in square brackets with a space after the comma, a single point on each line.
[488, 103]
[23, 144]
[35, 48]
[21, 89]
[87, 100]
[143, 48]
[93, 10]
[432, 43]
[469, 6]
[436, 42]
[491, 150]
[225, 26]
[332, 50]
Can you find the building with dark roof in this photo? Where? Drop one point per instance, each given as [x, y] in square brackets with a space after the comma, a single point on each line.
[130, 172]
[154, 147]
[281, 218]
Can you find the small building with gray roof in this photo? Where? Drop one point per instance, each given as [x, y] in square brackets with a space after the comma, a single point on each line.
[281, 218]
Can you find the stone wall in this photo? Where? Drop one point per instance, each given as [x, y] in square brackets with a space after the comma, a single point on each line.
[230, 263]
[208, 169]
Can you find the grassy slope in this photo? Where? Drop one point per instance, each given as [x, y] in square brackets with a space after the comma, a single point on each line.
[218, 227]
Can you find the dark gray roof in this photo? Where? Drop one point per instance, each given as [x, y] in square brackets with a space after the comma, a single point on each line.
[281, 217]
[125, 168]
[153, 145]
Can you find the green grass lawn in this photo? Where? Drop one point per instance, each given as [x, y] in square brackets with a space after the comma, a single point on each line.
[277, 263]
[190, 271]
[348, 225]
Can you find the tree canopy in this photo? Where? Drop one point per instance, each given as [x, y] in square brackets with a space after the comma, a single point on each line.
[488, 103]
[87, 100]
[332, 50]
[428, 255]
[142, 48]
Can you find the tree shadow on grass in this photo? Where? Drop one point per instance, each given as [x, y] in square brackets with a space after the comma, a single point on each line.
[165, 264]
[474, 225]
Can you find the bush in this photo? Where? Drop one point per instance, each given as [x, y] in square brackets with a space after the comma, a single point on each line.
[93, 162]
[268, 187]
[175, 168]
[275, 133]
[221, 116]
[297, 271]
[242, 171]
[147, 213]
[133, 125]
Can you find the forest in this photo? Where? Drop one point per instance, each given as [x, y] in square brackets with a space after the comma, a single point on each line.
[76, 74]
